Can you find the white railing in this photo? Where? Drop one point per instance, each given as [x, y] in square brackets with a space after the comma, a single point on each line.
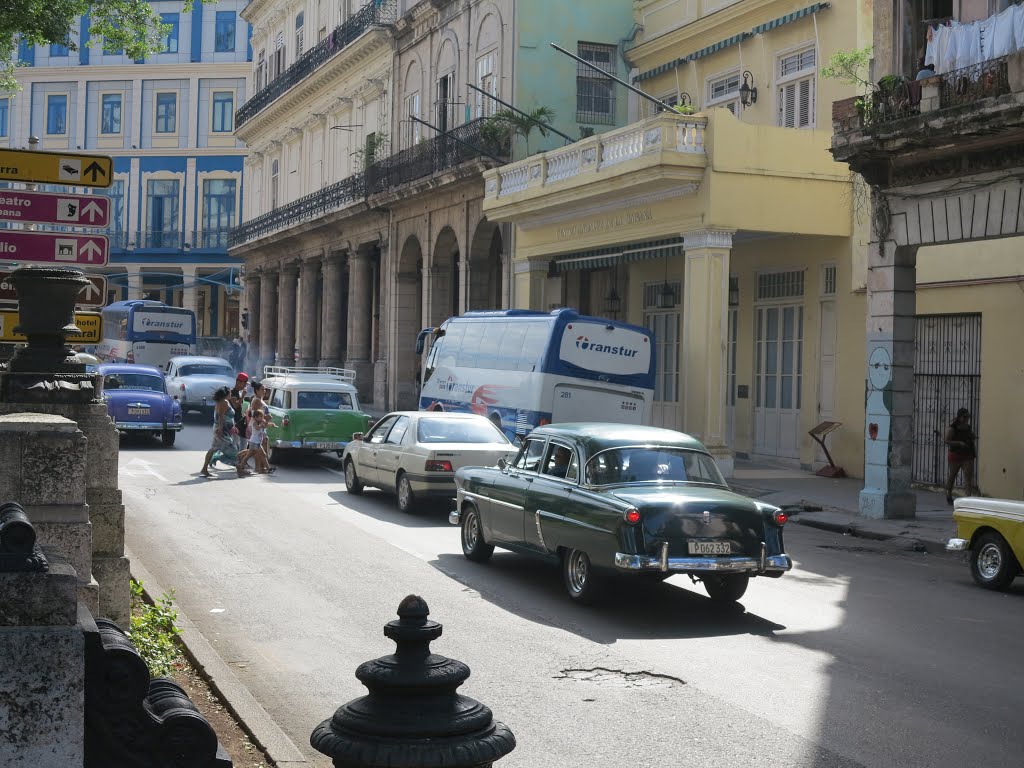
[514, 180]
[663, 133]
[345, 375]
[564, 163]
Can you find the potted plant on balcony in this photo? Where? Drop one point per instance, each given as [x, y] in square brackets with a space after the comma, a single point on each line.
[504, 125]
[685, 109]
[851, 68]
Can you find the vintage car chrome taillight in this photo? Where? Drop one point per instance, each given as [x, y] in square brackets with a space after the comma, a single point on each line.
[779, 517]
[632, 516]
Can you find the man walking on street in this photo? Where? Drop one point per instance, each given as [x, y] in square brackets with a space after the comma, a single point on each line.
[960, 440]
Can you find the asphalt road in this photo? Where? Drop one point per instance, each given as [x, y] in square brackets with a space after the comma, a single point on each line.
[863, 655]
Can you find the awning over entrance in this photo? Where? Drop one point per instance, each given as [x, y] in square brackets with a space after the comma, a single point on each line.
[734, 40]
[598, 258]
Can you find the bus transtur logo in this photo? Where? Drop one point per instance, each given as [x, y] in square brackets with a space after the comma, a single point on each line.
[584, 343]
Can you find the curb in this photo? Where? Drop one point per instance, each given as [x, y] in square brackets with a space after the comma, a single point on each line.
[914, 543]
[239, 701]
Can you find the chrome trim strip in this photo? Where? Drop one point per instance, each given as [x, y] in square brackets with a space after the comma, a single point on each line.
[471, 495]
[763, 559]
[957, 545]
[773, 563]
[540, 531]
[663, 561]
[146, 425]
[563, 519]
[1000, 514]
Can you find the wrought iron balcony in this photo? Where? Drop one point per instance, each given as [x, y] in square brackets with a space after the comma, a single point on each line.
[213, 239]
[160, 238]
[305, 208]
[459, 145]
[371, 14]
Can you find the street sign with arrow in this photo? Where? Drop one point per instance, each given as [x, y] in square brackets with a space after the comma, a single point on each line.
[56, 168]
[53, 247]
[48, 208]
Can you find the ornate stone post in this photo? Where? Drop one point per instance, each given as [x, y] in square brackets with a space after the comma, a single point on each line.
[268, 319]
[251, 305]
[705, 308]
[889, 411]
[309, 350]
[360, 326]
[330, 351]
[412, 717]
[287, 287]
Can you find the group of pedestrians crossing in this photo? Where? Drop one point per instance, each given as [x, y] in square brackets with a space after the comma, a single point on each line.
[240, 423]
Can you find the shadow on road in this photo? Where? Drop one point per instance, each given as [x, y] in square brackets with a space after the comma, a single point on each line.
[382, 506]
[532, 589]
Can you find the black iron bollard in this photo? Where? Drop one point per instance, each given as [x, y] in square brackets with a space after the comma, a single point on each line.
[16, 532]
[413, 717]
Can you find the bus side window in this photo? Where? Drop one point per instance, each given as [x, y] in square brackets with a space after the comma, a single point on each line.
[511, 346]
[490, 345]
[537, 334]
[472, 338]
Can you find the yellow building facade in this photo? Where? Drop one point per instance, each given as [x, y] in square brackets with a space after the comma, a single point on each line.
[730, 232]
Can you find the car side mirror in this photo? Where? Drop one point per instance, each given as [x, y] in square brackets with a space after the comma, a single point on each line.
[357, 435]
[502, 463]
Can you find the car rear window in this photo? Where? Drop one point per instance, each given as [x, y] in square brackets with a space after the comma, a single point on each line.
[643, 464]
[324, 401]
[132, 381]
[438, 429]
[200, 369]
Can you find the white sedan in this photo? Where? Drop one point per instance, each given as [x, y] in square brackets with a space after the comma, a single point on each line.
[415, 454]
[193, 380]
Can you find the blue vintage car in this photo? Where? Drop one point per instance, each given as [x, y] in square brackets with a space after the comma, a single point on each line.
[137, 401]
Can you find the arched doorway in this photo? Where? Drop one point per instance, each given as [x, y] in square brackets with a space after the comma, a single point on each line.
[444, 278]
[408, 321]
[486, 284]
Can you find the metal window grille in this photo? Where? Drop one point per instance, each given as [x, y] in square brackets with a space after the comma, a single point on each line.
[665, 326]
[780, 285]
[653, 290]
[595, 93]
[734, 291]
[797, 62]
[828, 280]
[947, 377]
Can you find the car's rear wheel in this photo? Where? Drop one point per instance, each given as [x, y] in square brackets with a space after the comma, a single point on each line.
[993, 565]
[726, 588]
[167, 438]
[582, 581]
[473, 545]
[352, 482]
[406, 498]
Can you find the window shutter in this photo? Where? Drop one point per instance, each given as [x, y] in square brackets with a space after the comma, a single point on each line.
[806, 104]
[787, 104]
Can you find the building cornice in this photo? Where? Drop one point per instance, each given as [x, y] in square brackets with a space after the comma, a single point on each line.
[708, 238]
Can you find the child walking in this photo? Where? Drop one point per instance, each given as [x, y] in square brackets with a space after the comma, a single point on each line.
[257, 436]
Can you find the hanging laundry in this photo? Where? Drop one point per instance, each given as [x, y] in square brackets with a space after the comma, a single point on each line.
[932, 46]
[968, 45]
[1018, 25]
[947, 49]
[1001, 40]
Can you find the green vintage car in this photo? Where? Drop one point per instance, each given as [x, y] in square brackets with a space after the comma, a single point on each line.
[618, 498]
[315, 409]
[991, 532]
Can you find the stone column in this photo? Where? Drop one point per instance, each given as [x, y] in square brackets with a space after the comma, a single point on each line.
[360, 307]
[889, 412]
[309, 351]
[330, 351]
[705, 308]
[287, 286]
[190, 292]
[268, 317]
[251, 304]
[531, 279]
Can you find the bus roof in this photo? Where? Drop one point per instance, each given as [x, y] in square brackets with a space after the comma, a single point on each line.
[141, 304]
[560, 316]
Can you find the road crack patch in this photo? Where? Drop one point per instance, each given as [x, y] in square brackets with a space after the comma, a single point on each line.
[618, 678]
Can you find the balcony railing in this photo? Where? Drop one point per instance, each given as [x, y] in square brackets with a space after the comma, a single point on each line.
[311, 206]
[461, 144]
[118, 240]
[160, 238]
[371, 14]
[444, 151]
[212, 238]
[970, 84]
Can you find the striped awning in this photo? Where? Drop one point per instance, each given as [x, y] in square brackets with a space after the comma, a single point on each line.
[598, 258]
[734, 40]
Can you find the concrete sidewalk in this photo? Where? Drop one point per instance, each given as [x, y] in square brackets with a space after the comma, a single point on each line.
[832, 505]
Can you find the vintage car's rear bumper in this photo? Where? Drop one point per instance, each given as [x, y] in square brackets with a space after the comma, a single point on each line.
[664, 563]
[147, 426]
[310, 445]
[957, 545]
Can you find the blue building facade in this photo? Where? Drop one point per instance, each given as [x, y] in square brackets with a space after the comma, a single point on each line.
[168, 122]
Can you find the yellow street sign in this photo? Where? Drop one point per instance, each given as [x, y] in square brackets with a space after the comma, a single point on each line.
[89, 323]
[56, 168]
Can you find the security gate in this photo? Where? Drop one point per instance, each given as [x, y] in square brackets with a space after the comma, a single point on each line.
[947, 377]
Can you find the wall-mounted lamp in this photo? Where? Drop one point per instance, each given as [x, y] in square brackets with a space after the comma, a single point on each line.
[612, 302]
[685, 100]
[748, 92]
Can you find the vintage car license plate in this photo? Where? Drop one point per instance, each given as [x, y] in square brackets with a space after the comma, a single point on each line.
[325, 446]
[709, 547]
[138, 411]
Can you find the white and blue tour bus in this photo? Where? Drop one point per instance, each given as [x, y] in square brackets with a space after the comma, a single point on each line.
[522, 368]
[146, 332]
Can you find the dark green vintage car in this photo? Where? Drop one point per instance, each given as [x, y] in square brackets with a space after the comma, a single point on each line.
[606, 498]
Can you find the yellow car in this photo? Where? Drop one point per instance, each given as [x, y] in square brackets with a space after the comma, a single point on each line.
[992, 531]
